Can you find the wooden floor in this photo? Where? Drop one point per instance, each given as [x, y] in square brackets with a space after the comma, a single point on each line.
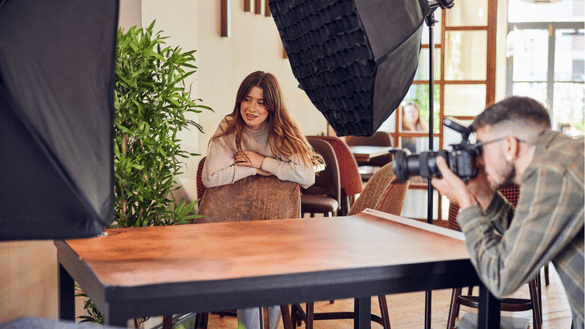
[407, 310]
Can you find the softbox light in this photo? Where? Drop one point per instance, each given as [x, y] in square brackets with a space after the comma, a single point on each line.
[56, 117]
[355, 59]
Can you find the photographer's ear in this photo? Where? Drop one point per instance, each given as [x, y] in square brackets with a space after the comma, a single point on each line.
[511, 148]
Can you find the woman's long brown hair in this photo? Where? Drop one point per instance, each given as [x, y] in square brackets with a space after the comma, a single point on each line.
[284, 136]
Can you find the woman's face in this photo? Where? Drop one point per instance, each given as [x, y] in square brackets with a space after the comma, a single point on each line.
[410, 114]
[252, 109]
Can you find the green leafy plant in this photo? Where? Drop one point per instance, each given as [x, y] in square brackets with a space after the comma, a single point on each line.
[150, 106]
[150, 103]
[93, 314]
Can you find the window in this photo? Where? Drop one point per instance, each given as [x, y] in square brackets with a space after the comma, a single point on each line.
[545, 58]
[464, 82]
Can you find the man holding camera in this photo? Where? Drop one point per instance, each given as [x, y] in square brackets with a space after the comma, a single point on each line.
[509, 246]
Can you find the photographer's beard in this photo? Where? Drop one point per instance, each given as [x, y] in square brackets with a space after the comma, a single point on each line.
[504, 175]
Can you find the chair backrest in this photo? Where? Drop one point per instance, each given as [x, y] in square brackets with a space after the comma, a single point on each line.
[326, 181]
[200, 187]
[349, 176]
[380, 138]
[511, 193]
[382, 192]
[251, 198]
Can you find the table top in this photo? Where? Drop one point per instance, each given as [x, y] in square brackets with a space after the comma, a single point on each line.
[366, 152]
[235, 250]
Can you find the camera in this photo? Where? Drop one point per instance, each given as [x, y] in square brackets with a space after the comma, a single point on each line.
[461, 159]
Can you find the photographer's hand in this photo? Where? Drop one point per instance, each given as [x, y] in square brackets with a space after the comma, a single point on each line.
[481, 189]
[452, 186]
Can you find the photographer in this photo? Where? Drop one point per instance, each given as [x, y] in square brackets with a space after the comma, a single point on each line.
[508, 247]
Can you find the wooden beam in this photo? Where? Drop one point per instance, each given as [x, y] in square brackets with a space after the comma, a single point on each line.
[226, 30]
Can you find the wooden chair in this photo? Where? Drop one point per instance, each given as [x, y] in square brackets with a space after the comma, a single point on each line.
[383, 192]
[380, 138]
[349, 176]
[252, 198]
[323, 197]
[200, 187]
[507, 304]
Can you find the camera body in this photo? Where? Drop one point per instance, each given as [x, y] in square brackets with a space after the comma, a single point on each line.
[461, 159]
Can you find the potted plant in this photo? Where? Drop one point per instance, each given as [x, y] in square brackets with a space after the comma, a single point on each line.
[150, 103]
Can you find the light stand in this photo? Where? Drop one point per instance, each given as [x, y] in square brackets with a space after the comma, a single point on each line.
[430, 20]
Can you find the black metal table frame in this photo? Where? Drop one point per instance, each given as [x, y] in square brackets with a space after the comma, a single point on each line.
[118, 304]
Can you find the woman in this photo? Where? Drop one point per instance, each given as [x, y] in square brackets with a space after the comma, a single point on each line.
[411, 122]
[259, 138]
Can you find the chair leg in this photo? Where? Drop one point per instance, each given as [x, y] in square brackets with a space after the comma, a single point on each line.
[384, 311]
[167, 322]
[546, 282]
[201, 320]
[453, 308]
[298, 316]
[264, 318]
[286, 317]
[536, 310]
[310, 313]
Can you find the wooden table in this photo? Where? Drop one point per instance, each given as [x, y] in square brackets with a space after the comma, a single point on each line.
[138, 272]
[363, 153]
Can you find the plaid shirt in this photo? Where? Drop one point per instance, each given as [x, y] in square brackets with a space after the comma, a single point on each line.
[509, 247]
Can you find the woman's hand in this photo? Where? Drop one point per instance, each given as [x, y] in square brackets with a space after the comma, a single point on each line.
[452, 186]
[263, 172]
[249, 159]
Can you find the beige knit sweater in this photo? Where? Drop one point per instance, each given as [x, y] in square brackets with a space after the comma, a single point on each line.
[220, 167]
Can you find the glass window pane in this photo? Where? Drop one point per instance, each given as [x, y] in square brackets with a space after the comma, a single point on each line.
[465, 55]
[467, 13]
[436, 30]
[569, 62]
[422, 73]
[568, 108]
[561, 11]
[529, 49]
[464, 100]
[534, 90]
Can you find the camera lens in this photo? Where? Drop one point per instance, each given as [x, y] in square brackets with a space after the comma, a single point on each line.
[423, 164]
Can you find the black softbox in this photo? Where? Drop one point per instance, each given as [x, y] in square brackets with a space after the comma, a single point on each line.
[56, 117]
[355, 59]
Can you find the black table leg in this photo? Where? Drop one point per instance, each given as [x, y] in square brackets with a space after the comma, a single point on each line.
[428, 308]
[363, 313]
[489, 310]
[114, 317]
[66, 295]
